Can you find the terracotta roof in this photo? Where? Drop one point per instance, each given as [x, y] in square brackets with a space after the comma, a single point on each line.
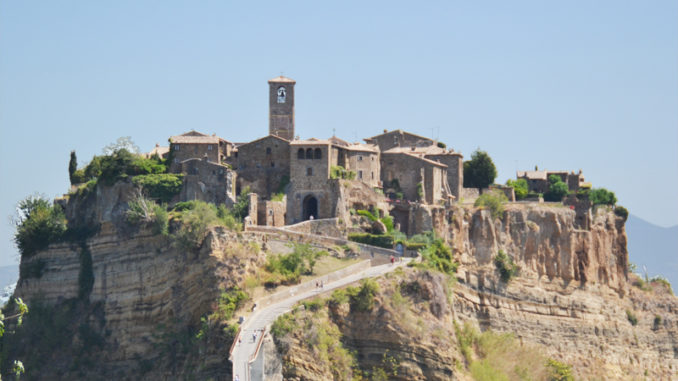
[158, 150]
[532, 175]
[362, 147]
[195, 137]
[260, 139]
[401, 132]
[416, 156]
[311, 142]
[281, 79]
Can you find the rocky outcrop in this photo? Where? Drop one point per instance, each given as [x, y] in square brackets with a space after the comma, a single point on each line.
[544, 241]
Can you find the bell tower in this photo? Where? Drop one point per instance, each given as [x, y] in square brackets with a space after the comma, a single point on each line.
[281, 107]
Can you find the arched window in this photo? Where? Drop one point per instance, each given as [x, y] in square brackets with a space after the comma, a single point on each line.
[300, 154]
[309, 153]
[318, 153]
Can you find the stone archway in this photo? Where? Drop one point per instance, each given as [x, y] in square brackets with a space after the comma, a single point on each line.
[310, 207]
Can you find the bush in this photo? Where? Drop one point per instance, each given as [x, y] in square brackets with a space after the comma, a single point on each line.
[241, 209]
[283, 325]
[339, 172]
[288, 268]
[162, 187]
[519, 188]
[621, 212]
[506, 267]
[438, 256]
[228, 302]
[145, 211]
[362, 298]
[195, 223]
[557, 189]
[663, 282]
[602, 196]
[38, 224]
[379, 240]
[559, 371]
[631, 317]
[494, 201]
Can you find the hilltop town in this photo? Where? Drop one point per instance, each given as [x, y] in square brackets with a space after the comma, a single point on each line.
[291, 180]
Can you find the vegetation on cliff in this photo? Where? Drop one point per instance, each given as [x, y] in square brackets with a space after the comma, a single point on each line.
[480, 171]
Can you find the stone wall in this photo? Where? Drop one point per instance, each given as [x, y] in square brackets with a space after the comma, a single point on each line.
[366, 166]
[182, 152]
[207, 181]
[263, 164]
[271, 213]
[455, 171]
[410, 171]
[398, 138]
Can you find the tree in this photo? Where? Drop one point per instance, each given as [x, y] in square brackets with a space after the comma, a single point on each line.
[124, 142]
[519, 187]
[21, 309]
[557, 189]
[72, 167]
[602, 196]
[479, 172]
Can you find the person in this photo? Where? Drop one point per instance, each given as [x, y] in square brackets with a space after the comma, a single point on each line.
[322, 284]
[392, 260]
[254, 337]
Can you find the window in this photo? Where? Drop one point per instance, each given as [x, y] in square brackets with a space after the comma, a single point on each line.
[395, 140]
[176, 160]
[209, 147]
[195, 170]
[176, 147]
[268, 150]
[221, 171]
[300, 154]
[360, 157]
[272, 164]
[360, 174]
[309, 153]
[372, 175]
[318, 153]
[309, 171]
[282, 93]
[195, 149]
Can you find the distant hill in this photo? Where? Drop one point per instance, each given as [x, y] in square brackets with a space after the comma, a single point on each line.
[655, 247]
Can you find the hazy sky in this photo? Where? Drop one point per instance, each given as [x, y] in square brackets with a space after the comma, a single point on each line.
[589, 85]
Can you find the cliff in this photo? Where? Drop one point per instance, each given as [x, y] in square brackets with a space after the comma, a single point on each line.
[572, 302]
[120, 300]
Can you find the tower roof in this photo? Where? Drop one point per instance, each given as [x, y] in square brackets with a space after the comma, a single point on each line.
[281, 79]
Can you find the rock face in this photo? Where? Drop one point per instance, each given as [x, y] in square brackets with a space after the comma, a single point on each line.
[545, 242]
[572, 297]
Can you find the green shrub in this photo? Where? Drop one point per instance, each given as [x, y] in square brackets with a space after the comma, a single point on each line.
[362, 298]
[38, 224]
[241, 208]
[631, 317]
[441, 145]
[494, 201]
[559, 371]
[277, 197]
[621, 212]
[420, 190]
[194, 224]
[519, 188]
[283, 325]
[162, 187]
[368, 214]
[506, 267]
[438, 256]
[228, 302]
[288, 268]
[602, 196]
[557, 189]
[379, 240]
[228, 219]
[339, 172]
[313, 304]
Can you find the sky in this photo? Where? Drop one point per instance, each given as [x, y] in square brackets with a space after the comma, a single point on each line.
[589, 85]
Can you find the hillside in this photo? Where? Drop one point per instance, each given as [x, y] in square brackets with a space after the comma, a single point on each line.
[112, 296]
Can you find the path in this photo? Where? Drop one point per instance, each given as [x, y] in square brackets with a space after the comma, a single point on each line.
[259, 321]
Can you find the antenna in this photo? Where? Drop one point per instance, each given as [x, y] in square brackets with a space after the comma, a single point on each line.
[334, 132]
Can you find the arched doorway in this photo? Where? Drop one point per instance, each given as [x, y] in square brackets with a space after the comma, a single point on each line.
[310, 207]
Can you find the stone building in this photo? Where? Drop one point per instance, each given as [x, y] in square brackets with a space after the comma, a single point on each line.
[196, 145]
[281, 107]
[207, 181]
[419, 178]
[538, 181]
[263, 165]
[398, 138]
[363, 159]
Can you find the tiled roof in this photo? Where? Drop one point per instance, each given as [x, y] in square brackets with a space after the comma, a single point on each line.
[281, 79]
[416, 156]
[401, 132]
[158, 150]
[195, 137]
[362, 147]
[260, 139]
[532, 175]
